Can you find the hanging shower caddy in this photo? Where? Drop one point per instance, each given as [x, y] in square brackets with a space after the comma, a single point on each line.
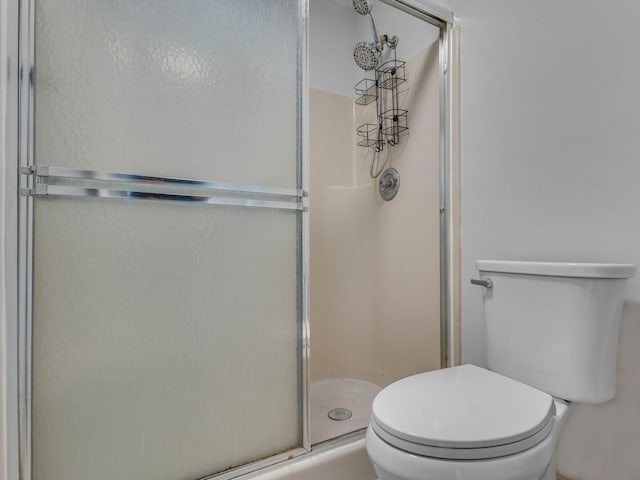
[392, 121]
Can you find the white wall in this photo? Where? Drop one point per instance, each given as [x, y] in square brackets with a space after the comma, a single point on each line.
[333, 31]
[551, 170]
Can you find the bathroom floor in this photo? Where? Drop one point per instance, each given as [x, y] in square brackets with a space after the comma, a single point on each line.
[339, 397]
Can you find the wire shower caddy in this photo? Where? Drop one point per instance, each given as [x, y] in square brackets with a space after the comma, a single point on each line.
[384, 90]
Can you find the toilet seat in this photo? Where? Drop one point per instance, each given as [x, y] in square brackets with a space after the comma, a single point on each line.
[464, 412]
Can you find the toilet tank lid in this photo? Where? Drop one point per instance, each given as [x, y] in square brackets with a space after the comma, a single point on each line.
[559, 269]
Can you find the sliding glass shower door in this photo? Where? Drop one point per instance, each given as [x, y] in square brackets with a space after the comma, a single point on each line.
[166, 187]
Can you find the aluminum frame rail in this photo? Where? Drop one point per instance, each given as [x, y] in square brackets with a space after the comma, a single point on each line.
[49, 181]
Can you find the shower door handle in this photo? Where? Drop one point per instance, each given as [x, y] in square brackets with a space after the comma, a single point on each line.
[485, 282]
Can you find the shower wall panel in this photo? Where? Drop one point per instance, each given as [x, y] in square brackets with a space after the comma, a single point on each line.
[408, 287]
[166, 336]
[375, 284]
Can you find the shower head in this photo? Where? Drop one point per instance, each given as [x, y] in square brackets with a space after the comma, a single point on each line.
[366, 55]
[363, 7]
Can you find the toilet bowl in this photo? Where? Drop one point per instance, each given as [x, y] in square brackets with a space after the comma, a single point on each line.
[464, 423]
[552, 334]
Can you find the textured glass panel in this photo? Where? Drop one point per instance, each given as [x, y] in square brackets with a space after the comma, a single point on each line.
[193, 88]
[165, 339]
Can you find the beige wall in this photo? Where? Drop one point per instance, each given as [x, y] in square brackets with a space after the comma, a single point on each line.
[343, 247]
[375, 264]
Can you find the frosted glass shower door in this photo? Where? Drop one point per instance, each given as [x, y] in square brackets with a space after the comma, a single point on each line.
[166, 332]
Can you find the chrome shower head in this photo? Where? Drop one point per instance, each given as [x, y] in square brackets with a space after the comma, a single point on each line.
[363, 7]
[366, 55]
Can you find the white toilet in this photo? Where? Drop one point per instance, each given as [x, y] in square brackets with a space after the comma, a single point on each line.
[552, 339]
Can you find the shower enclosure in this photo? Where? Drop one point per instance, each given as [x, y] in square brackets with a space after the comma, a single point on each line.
[158, 326]
[374, 250]
[163, 213]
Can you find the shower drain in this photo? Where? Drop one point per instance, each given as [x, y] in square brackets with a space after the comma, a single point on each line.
[339, 414]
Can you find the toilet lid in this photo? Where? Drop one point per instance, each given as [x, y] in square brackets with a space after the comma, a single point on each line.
[464, 407]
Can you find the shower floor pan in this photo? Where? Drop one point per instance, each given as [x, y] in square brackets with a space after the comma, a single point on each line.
[339, 397]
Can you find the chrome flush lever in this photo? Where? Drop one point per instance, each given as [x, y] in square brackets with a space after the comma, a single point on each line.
[487, 282]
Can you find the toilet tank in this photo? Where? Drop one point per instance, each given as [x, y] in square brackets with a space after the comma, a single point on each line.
[555, 326]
